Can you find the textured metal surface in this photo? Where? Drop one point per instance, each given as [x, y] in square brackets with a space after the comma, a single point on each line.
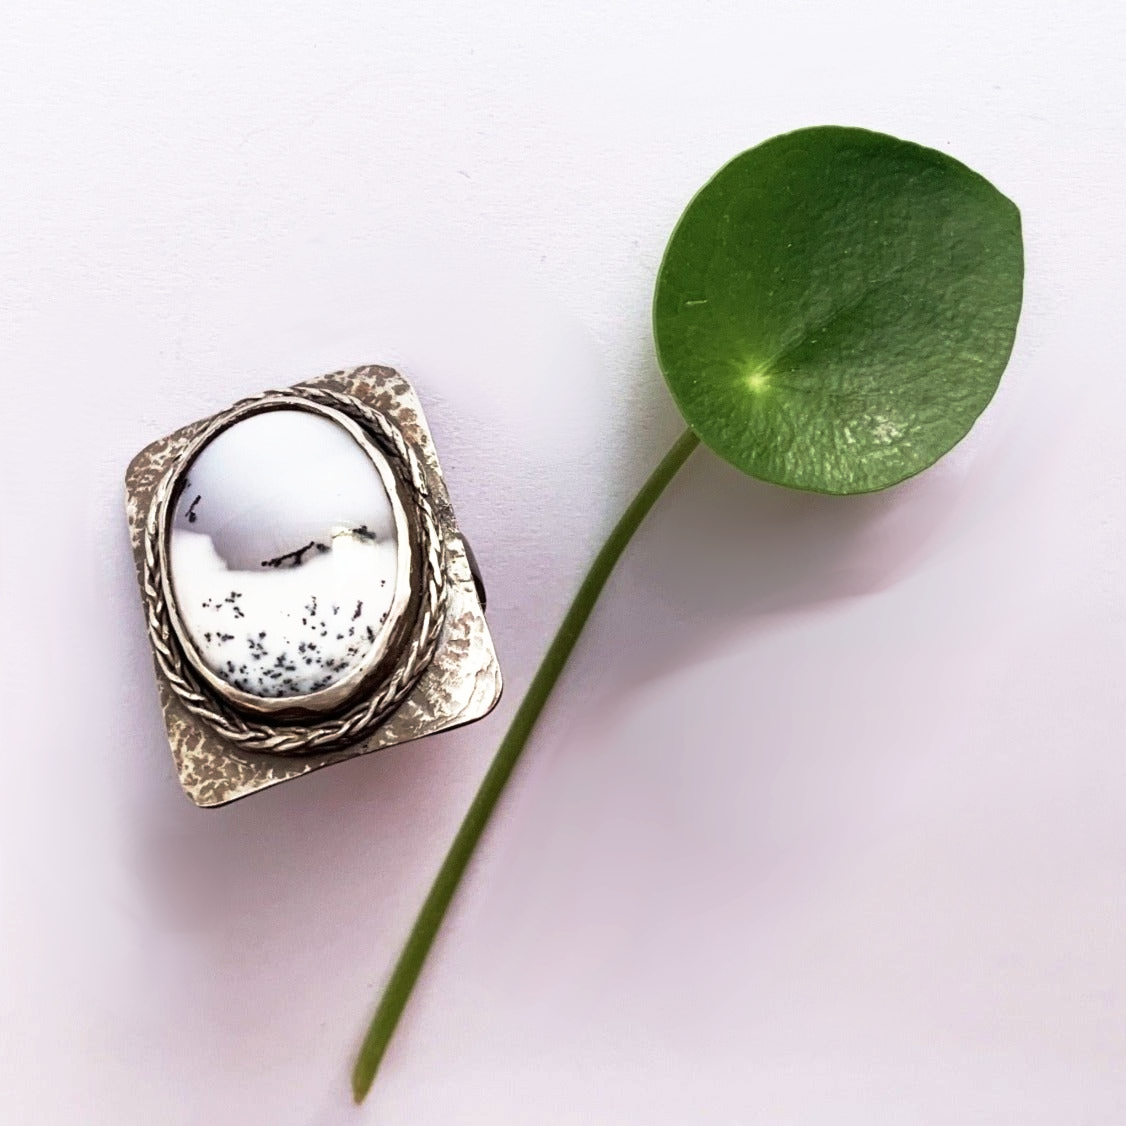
[462, 681]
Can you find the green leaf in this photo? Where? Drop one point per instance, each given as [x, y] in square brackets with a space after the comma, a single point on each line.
[833, 312]
[835, 308]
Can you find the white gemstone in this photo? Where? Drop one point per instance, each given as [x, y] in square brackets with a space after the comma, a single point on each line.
[283, 554]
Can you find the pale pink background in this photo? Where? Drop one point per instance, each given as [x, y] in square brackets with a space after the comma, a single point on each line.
[827, 824]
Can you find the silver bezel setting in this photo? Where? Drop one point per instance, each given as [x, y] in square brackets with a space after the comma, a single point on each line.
[390, 636]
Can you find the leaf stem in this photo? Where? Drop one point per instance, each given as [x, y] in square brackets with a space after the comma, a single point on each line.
[422, 935]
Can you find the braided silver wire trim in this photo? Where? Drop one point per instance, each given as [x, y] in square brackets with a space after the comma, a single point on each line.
[280, 739]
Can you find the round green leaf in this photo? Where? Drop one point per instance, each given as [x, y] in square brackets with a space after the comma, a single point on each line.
[835, 308]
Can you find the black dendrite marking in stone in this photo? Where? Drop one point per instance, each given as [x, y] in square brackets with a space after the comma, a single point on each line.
[363, 532]
[296, 558]
[307, 664]
[192, 517]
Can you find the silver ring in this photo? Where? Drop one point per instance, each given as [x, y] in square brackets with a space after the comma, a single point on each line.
[271, 681]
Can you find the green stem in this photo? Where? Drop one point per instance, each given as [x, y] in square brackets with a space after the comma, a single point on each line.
[413, 955]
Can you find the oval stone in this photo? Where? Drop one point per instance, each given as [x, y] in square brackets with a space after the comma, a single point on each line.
[283, 554]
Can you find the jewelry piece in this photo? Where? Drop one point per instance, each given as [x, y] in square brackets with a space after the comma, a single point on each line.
[308, 594]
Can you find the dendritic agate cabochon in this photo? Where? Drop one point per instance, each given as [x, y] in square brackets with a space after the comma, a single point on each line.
[283, 554]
